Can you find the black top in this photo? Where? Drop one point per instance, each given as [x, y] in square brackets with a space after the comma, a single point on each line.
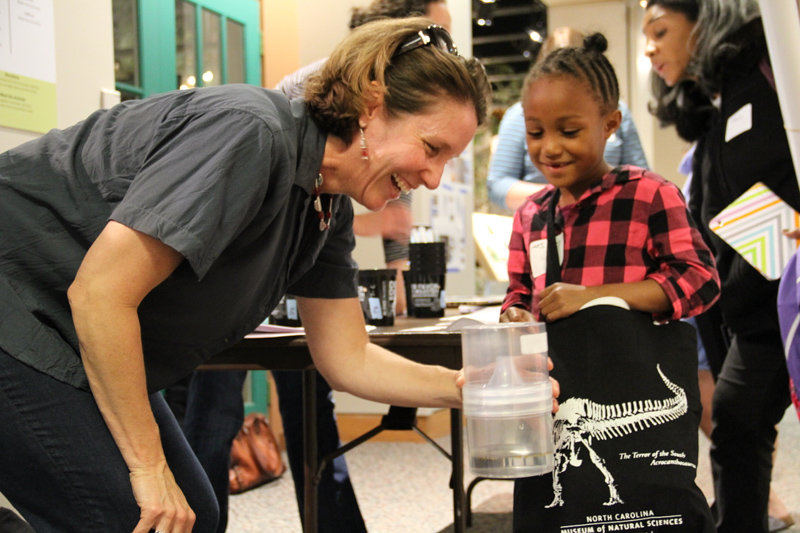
[723, 170]
[223, 175]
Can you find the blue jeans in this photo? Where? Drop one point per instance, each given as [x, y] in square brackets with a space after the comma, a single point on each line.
[60, 467]
[338, 507]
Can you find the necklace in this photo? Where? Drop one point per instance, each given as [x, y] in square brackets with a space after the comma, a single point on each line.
[324, 217]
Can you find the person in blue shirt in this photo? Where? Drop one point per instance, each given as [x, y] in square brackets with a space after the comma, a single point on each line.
[512, 176]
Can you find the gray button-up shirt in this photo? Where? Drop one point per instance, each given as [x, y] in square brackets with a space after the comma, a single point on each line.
[223, 175]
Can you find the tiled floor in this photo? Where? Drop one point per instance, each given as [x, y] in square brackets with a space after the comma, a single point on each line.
[402, 488]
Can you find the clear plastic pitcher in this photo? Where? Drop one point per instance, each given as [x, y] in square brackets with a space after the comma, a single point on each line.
[508, 400]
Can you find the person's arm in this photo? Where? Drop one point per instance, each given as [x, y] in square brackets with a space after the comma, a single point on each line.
[520, 191]
[561, 300]
[632, 152]
[687, 271]
[119, 270]
[393, 222]
[341, 350]
[685, 283]
[507, 166]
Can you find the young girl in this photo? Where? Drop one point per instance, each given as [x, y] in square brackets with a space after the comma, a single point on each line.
[620, 232]
[625, 231]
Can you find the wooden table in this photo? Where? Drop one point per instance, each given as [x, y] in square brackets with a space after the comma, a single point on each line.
[440, 347]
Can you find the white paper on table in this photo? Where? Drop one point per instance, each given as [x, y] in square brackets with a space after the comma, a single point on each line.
[273, 330]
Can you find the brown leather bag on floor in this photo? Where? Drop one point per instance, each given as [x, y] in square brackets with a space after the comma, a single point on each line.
[255, 456]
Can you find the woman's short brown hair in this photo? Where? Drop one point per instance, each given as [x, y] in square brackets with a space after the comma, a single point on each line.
[412, 82]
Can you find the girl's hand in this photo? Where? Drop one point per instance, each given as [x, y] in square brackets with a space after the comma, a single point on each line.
[164, 507]
[561, 300]
[516, 314]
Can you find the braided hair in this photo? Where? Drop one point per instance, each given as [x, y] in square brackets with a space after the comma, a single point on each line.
[587, 63]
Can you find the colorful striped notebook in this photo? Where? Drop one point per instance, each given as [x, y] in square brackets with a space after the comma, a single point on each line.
[753, 226]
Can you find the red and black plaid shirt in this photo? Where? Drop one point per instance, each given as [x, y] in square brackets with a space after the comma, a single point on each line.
[632, 226]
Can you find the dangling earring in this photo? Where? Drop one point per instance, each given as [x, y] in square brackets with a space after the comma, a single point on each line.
[364, 153]
[323, 216]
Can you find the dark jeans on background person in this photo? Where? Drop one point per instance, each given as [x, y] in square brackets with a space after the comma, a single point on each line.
[338, 507]
[212, 408]
[60, 467]
[751, 397]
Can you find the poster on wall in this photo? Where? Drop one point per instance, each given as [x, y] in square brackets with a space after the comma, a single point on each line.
[449, 205]
[27, 65]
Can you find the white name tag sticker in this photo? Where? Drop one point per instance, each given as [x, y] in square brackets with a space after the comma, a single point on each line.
[739, 122]
[538, 255]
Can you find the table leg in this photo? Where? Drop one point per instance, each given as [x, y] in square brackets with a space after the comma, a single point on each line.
[310, 449]
[457, 482]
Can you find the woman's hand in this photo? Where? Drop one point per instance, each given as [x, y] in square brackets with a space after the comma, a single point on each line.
[164, 507]
[475, 373]
[561, 300]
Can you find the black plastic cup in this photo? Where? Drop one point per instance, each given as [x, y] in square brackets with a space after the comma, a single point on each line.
[425, 294]
[429, 257]
[285, 313]
[377, 292]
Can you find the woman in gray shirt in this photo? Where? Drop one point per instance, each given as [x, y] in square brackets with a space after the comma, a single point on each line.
[149, 237]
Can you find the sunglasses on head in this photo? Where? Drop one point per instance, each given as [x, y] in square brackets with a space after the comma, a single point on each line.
[433, 35]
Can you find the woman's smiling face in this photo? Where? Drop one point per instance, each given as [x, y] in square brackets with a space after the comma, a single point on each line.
[670, 42]
[409, 151]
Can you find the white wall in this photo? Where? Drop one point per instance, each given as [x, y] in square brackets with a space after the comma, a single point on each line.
[84, 44]
[319, 34]
[608, 18]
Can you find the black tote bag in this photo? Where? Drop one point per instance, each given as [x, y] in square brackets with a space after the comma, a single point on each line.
[626, 434]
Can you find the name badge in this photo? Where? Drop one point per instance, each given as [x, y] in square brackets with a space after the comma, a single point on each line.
[538, 255]
[739, 122]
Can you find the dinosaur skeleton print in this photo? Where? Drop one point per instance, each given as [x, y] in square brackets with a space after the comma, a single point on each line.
[580, 421]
